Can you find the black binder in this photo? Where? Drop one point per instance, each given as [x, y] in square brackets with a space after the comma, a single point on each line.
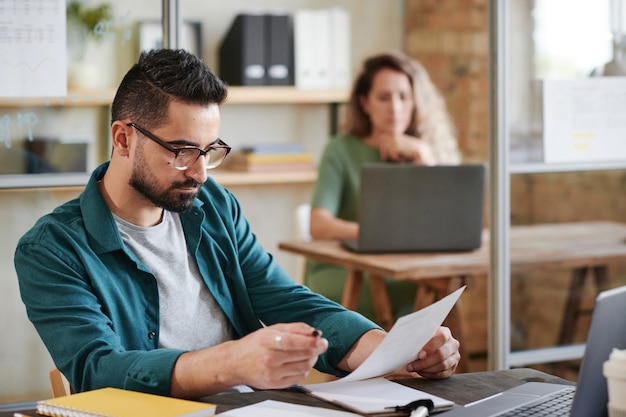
[242, 53]
[258, 50]
[279, 46]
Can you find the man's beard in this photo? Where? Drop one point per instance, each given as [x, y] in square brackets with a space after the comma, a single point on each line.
[170, 199]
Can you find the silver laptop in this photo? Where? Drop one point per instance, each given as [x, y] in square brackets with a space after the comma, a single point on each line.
[413, 208]
[590, 398]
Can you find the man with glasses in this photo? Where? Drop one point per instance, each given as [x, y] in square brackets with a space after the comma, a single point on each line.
[151, 279]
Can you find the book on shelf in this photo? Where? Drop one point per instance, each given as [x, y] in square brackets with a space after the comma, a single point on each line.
[115, 402]
[278, 167]
[249, 158]
[269, 158]
[273, 148]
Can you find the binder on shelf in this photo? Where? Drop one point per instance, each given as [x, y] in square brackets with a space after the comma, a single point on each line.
[242, 52]
[322, 48]
[340, 60]
[279, 42]
[115, 402]
[304, 32]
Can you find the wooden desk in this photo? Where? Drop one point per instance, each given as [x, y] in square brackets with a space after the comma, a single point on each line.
[460, 388]
[579, 247]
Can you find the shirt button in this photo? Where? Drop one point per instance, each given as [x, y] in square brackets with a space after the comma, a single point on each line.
[151, 335]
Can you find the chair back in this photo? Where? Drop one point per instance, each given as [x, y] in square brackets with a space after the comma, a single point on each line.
[59, 384]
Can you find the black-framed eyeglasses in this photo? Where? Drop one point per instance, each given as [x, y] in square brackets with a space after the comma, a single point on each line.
[185, 156]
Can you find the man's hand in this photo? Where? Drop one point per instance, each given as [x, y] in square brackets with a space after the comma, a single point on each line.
[439, 358]
[279, 356]
[273, 357]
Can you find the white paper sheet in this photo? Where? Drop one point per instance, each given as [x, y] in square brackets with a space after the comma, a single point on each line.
[33, 51]
[583, 120]
[270, 408]
[373, 395]
[405, 339]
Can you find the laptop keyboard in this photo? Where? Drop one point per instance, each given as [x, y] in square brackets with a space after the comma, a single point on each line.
[558, 404]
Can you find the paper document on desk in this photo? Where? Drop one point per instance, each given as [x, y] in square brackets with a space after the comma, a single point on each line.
[375, 396]
[365, 390]
[270, 408]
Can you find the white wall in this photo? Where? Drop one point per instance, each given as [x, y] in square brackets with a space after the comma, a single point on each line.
[376, 25]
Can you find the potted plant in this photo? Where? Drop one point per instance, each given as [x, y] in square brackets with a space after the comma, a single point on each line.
[82, 20]
[81, 23]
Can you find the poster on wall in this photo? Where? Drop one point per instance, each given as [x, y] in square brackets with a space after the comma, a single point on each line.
[584, 120]
[32, 48]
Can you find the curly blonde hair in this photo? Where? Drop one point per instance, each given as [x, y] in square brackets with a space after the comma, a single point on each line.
[430, 121]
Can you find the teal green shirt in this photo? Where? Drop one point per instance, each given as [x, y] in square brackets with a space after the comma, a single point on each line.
[96, 306]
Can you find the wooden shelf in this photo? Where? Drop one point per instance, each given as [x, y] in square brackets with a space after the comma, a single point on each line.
[284, 95]
[74, 98]
[232, 178]
[236, 95]
[222, 176]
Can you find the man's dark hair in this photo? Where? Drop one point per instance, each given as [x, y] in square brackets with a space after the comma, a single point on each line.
[159, 77]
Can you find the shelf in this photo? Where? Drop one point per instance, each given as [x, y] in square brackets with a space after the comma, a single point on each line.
[284, 95]
[538, 168]
[74, 98]
[236, 95]
[234, 178]
[222, 176]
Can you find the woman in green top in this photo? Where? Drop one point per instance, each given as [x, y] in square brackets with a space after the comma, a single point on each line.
[394, 114]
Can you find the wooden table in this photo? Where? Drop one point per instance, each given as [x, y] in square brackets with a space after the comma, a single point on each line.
[460, 388]
[580, 247]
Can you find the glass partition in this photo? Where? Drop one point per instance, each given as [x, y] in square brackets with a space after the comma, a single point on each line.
[560, 78]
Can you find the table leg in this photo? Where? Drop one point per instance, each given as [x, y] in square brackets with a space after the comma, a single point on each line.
[380, 299]
[352, 289]
[575, 294]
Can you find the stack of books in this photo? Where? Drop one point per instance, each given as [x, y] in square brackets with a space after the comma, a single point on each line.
[270, 158]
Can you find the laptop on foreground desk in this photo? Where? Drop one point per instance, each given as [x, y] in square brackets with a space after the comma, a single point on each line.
[590, 398]
[416, 208]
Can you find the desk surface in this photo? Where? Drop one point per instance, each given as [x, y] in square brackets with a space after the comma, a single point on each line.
[559, 245]
[460, 388]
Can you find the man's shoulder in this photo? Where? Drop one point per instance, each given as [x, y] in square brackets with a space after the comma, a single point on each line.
[65, 217]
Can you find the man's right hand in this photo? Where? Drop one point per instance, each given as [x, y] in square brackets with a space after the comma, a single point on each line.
[273, 357]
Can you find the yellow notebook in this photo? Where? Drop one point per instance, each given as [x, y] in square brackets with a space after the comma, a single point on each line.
[115, 402]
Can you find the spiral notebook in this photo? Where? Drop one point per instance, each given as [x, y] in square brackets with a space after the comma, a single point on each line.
[115, 402]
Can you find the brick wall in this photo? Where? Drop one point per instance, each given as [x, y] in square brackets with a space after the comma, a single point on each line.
[450, 37]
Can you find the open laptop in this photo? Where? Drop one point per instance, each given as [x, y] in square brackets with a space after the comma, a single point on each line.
[590, 398]
[414, 208]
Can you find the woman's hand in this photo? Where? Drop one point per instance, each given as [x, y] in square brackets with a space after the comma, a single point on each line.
[405, 148]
